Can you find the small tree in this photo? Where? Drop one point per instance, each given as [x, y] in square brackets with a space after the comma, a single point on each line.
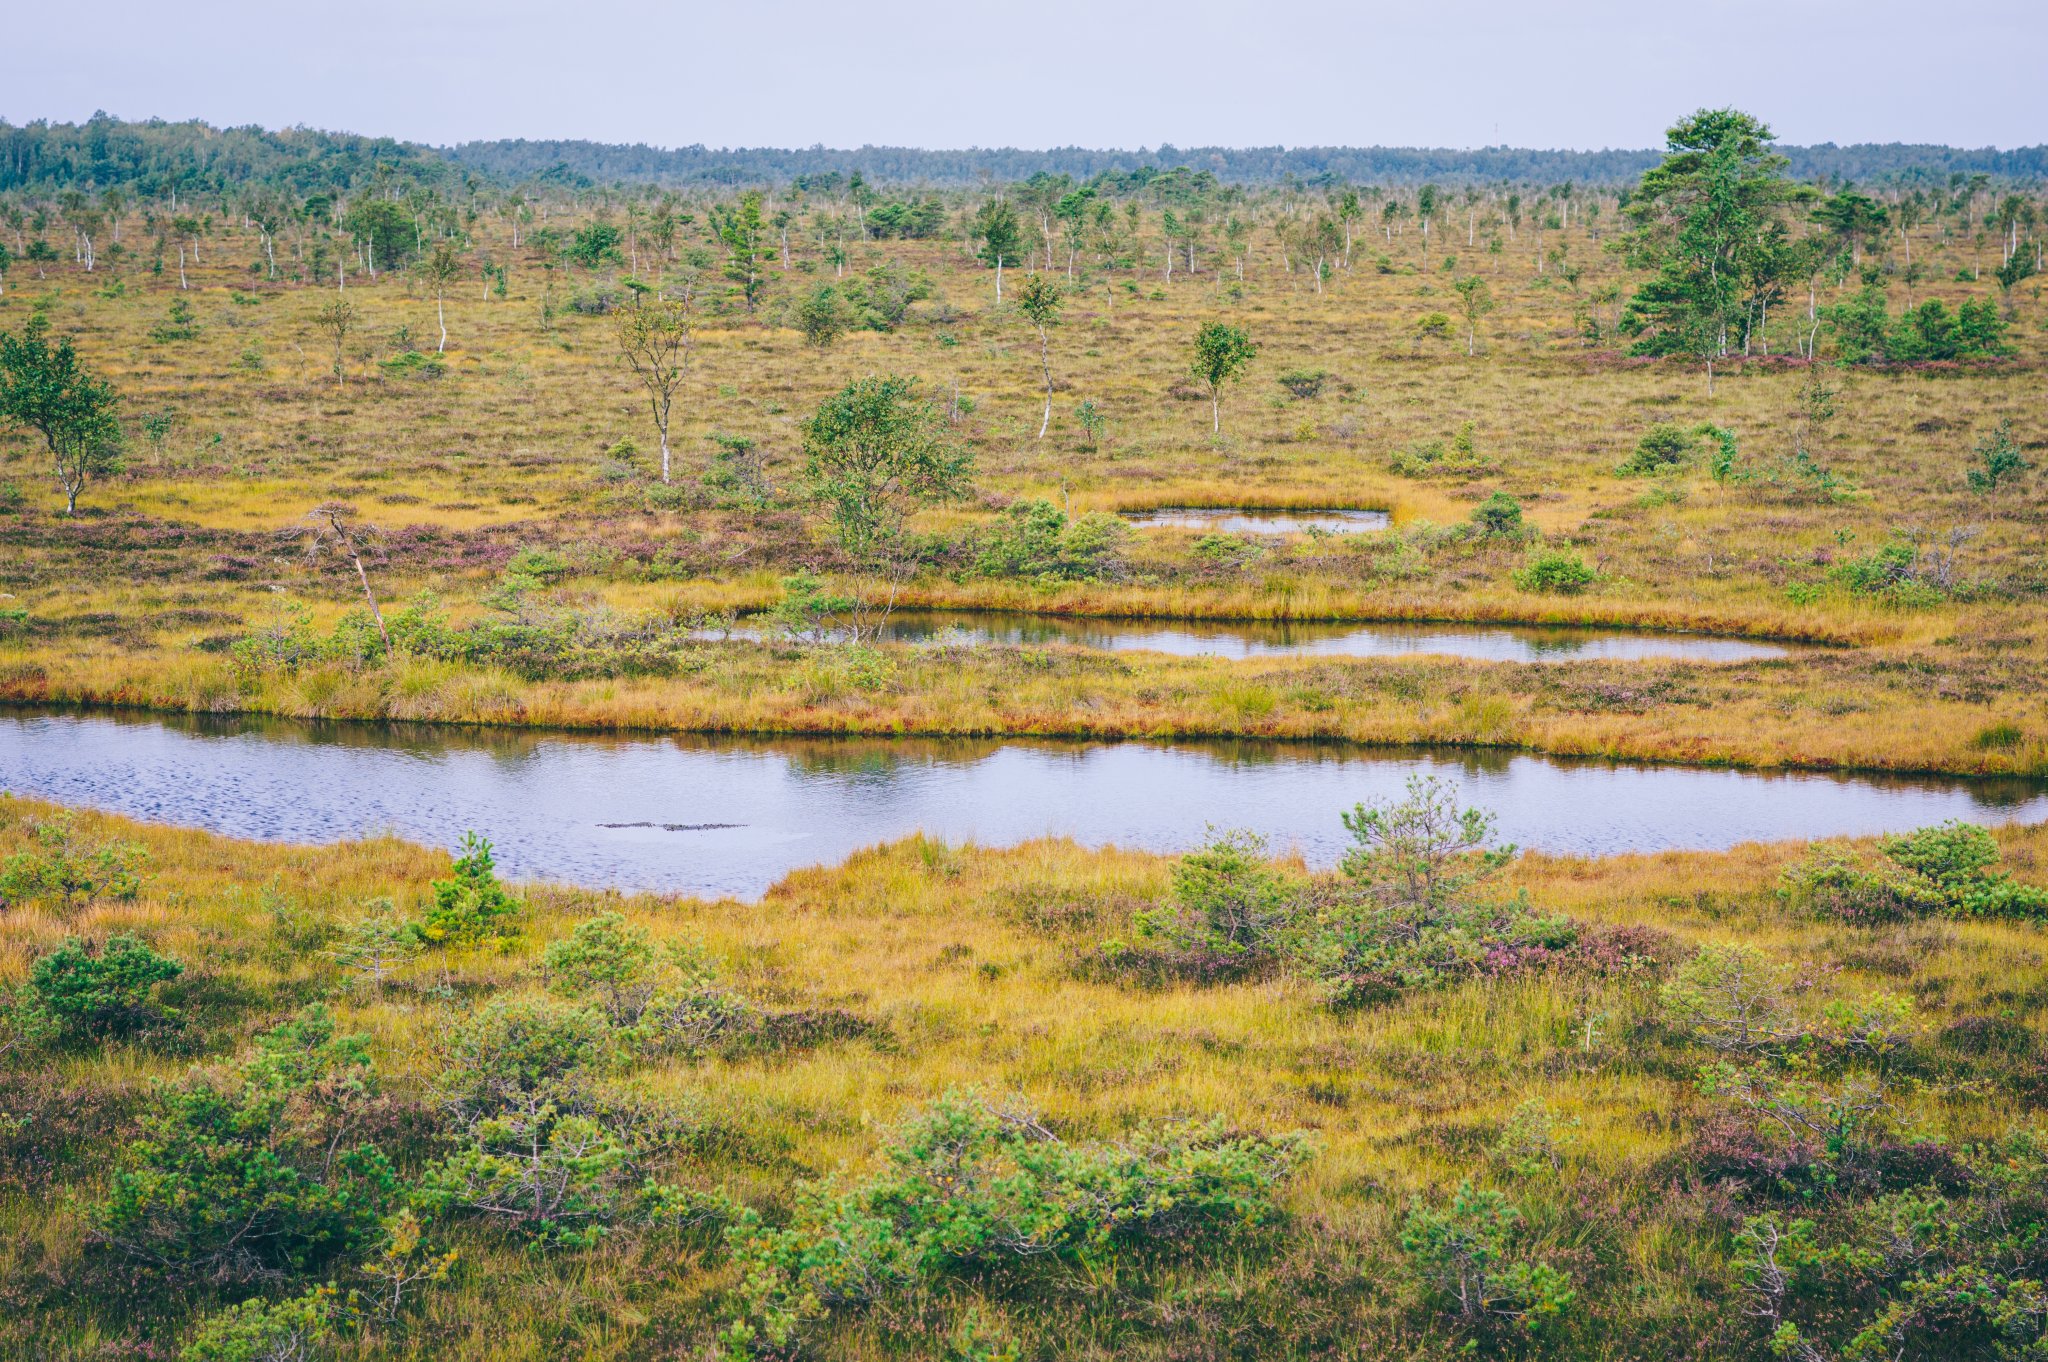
[262, 1331]
[337, 319]
[1730, 998]
[1423, 849]
[1221, 353]
[1475, 300]
[822, 315]
[376, 946]
[1998, 460]
[44, 387]
[472, 906]
[608, 958]
[995, 223]
[873, 452]
[438, 269]
[744, 234]
[1039, 300]
[655, 339]
[334, 524]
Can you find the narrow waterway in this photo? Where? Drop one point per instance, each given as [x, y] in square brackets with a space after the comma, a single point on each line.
[731, 815]
[1249, 639]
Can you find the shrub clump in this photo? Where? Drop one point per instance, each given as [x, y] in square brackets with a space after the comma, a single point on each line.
[250, 1176]
[66, 868]
[1499, 516]
[1432, 458]
[1951, 871]
[85, 993]
[1556, 570]
[1663, 447]
[1037, 541]
[966, 1186]
[1405, 910]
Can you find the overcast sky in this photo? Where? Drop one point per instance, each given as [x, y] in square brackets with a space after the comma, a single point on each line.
[1039, 73]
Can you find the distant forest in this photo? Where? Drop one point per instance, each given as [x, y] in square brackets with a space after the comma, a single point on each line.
[601, 162]
[158, 157]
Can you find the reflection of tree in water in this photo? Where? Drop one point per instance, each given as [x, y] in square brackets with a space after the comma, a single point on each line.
[1556, 642]
[417, 739]
[855, 757]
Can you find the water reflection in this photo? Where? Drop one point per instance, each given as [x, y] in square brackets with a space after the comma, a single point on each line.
[1249, 639]
[1254, 520]
[718, 815]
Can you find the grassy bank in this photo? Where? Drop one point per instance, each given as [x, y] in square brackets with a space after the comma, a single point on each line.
[1878, 709]
[919, 968]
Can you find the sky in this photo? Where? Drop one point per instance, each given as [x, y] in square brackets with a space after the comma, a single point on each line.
[1581, 74]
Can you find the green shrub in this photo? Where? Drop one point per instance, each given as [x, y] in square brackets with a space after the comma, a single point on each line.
[1950, 870]
[413, 364]
[67, 868]
[559, 1179]
[1459, 458]
[1999, 460]
[1305, 383]
[968, 1187]
[606, 959]
[808, 609]
[520, 1056]
[473, 907]
[249, 1176]
[737, 476]
[1662, 448]
[1036, 540]
[265, 1331]
[1227, 903]
[111, 991]
[1556, 570]
[1436, 324]
[1729, 997]
[1463, 1251]
[180, 324]
[1500, 514]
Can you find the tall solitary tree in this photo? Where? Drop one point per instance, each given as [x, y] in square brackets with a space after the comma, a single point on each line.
[744, 234]
[1697, 219]
[1221, 353]
[44, 387]
[1001, 236]
[873, 452]
[655, 339]
[438, 269]
[1039, 300]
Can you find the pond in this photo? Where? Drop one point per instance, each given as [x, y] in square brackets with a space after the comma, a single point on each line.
[1258, 520]
[728, 816]
[1248, 639]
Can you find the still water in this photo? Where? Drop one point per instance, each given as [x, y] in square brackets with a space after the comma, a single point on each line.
[1243, 639]
[730, 815]
[1252, 520]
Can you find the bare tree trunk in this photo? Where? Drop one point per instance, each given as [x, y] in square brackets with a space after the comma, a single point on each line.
[1045, 363]
[441, 315]
[181, 269]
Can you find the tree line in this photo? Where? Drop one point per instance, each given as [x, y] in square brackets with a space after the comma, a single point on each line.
[154, 156]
